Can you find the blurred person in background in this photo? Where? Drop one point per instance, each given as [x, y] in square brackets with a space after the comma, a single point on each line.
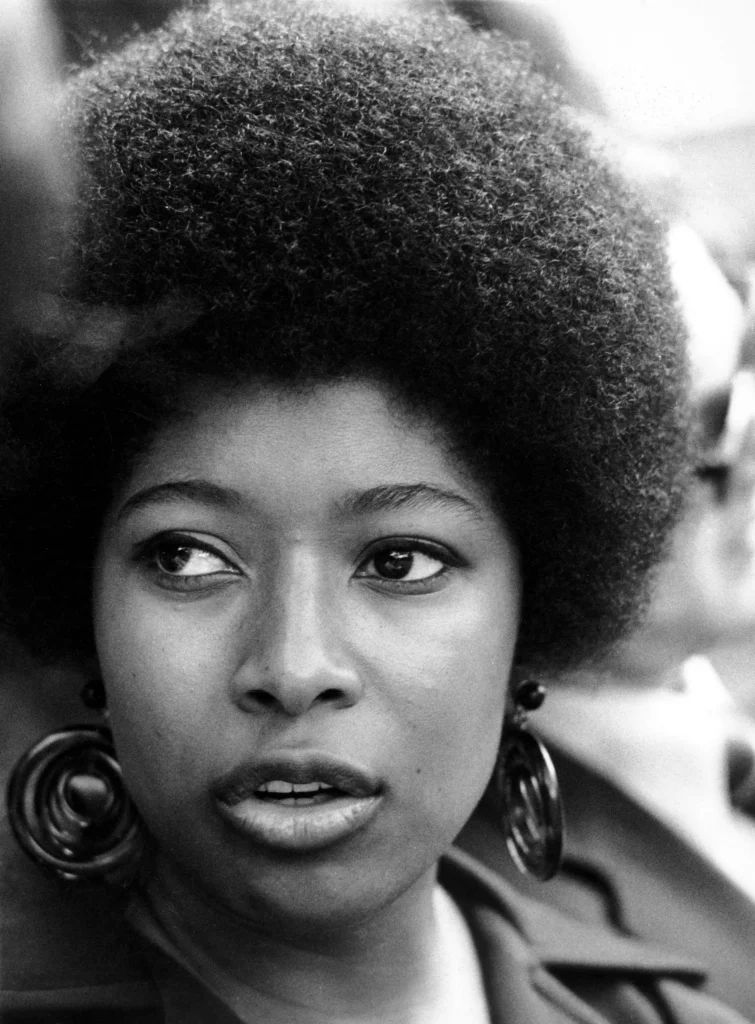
[734, 659]
[655, 757]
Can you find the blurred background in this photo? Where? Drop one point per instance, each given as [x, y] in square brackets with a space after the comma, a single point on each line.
[681, 73]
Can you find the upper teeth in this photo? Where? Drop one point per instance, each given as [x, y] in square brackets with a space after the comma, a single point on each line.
[279, 786]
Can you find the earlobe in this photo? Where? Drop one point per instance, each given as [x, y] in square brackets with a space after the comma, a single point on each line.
[92, 692]
[518, 676]
[93, 695]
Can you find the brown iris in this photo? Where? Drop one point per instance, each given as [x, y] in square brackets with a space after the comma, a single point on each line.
[172, 557]
[393, 565]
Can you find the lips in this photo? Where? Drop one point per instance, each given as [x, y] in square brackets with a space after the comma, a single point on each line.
[297, 802]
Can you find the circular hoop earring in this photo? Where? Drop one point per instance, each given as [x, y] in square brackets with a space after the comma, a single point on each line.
[530, 804]
[69, 810]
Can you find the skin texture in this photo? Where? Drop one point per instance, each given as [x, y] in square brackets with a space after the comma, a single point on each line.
[291, 640]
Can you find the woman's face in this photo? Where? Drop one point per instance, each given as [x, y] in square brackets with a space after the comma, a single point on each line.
[305, 615]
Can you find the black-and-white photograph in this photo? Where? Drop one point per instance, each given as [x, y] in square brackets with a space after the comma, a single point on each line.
[377, 512]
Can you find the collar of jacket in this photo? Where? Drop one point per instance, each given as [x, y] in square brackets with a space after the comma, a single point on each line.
[66, 948]
[558, 942]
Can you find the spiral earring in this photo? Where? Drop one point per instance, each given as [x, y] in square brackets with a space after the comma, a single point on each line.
[528, 792]
[68, 807]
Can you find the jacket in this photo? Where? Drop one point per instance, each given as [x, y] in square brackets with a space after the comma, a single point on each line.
[68, 956]
[623, 868]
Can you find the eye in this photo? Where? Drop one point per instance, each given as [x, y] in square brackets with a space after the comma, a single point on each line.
[180, 559]
[407, 565]
[402, 565]
[183, 563]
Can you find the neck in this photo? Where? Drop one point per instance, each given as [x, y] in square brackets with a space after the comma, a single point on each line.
[392, 967]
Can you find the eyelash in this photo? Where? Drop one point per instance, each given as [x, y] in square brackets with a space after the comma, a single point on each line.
[148, 555]
[409, 545]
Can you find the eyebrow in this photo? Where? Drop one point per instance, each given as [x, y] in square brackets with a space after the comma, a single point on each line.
[393, 497]
[385, 498]
[201, 492]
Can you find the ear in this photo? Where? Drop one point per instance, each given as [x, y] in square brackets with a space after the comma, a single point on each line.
[92, 692]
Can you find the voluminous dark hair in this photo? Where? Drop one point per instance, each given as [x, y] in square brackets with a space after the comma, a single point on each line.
[274, 190]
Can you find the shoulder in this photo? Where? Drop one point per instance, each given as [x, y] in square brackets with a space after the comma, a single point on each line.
[543, 966]
[66, 950]
[626, 871]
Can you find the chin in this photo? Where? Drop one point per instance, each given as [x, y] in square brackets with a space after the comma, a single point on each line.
[294, 894]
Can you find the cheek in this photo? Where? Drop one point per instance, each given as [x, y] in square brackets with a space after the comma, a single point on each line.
[448, 697]
[162, 681]
[464, 712]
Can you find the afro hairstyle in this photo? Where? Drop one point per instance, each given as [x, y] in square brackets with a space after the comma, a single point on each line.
[302, 194]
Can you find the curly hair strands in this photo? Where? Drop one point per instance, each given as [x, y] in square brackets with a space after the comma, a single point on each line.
[397, 199]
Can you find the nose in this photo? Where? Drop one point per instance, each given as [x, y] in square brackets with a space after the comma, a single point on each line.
[297, 656]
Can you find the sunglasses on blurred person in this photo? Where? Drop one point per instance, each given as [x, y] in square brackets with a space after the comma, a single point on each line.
[726, 422]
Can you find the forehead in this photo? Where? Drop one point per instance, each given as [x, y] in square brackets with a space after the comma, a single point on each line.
[278, 443]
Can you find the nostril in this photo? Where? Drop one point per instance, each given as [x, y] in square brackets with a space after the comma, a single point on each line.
[263, 698]
[328, 696]
[293, 697]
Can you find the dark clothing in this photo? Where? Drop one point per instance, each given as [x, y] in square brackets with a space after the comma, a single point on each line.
[624, 868]
[69, 957]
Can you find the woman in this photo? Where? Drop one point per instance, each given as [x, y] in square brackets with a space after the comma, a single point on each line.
[372, 391]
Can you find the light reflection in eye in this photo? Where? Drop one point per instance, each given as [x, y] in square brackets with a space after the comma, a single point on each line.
[177, 558]
[402, 564]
